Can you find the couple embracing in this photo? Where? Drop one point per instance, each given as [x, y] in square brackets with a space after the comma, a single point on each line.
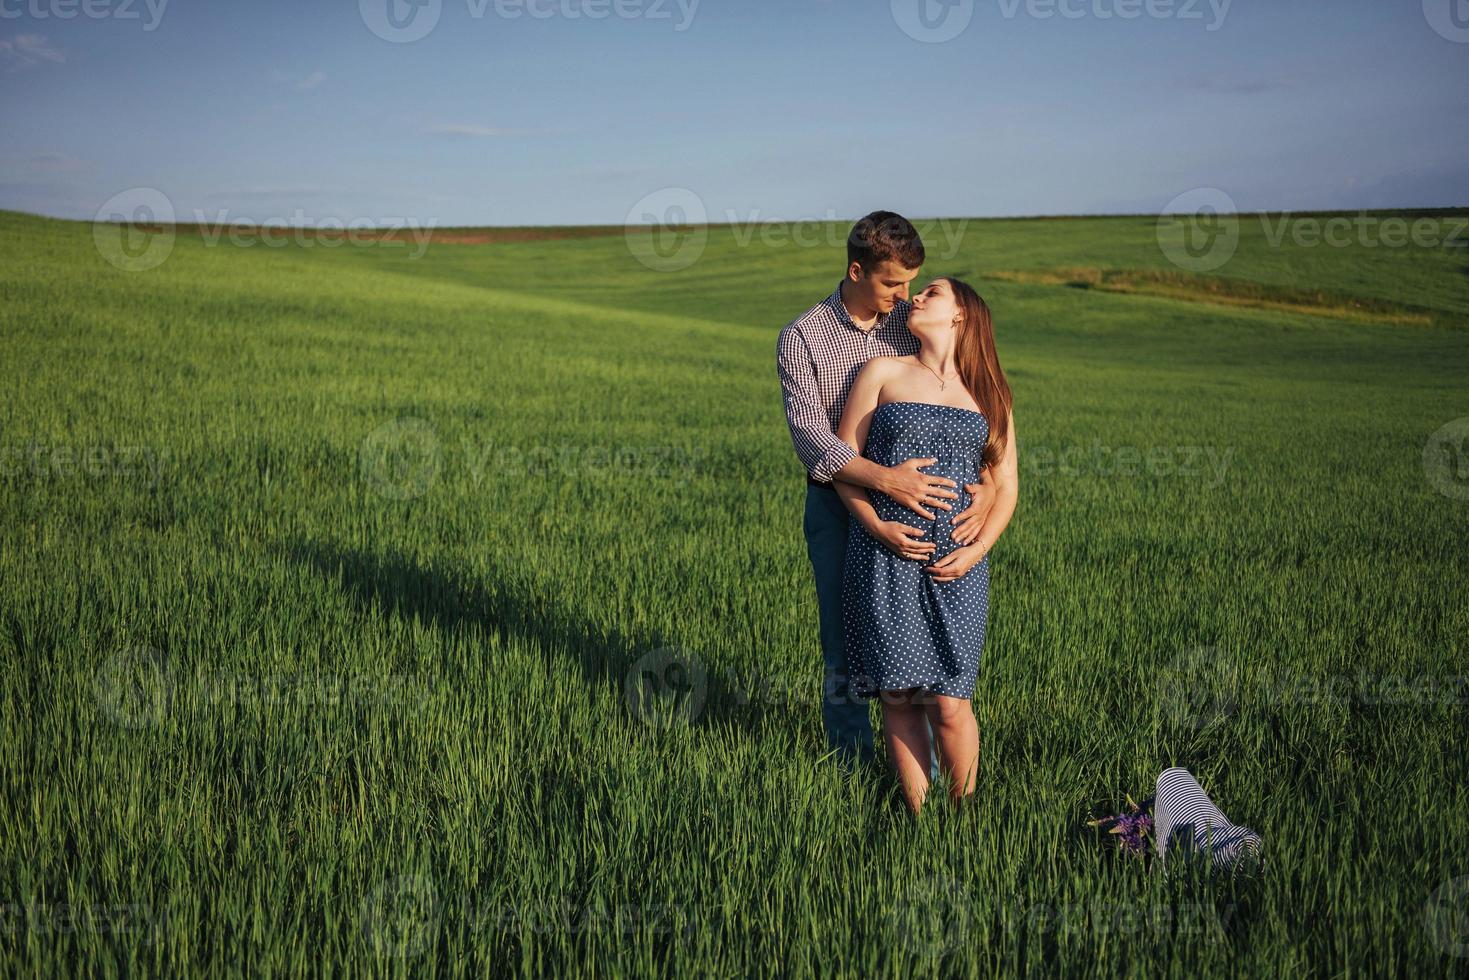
[901, 415]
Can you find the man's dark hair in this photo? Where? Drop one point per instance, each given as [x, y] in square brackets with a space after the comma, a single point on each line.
[883, 236]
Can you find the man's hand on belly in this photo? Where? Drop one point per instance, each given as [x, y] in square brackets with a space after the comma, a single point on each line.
[907, 484]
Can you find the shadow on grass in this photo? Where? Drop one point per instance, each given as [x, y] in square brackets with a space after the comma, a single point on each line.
[658, 684]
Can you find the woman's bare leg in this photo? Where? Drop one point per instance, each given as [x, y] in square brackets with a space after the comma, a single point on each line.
[957, 735]
[905, 732]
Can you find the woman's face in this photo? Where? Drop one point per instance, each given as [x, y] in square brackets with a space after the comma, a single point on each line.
[934, 308]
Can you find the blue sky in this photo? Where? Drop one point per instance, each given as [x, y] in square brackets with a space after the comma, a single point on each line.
[785, 109]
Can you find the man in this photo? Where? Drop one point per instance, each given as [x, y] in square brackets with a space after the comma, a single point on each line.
[818, 356]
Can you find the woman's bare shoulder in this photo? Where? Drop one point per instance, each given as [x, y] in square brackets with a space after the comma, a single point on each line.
[885, 365]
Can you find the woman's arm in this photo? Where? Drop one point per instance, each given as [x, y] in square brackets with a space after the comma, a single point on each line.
[1007, 492]
[853, 429]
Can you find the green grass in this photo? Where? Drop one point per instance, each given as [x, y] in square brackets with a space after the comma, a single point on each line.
[266, 709]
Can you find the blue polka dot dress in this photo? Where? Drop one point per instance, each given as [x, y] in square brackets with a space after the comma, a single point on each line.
[903, 629]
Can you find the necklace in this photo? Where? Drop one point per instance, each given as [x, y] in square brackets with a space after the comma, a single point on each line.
[942, 383]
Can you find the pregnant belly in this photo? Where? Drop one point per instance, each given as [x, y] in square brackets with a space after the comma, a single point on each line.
[939, 529]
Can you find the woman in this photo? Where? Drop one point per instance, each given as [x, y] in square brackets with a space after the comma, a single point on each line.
[916, 590]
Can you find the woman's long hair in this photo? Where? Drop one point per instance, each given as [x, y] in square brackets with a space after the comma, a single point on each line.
[979, 367]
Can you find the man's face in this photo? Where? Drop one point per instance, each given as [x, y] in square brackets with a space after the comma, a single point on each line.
[885, 285]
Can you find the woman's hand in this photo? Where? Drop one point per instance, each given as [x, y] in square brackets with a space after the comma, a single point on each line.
[956, 563]
[982, 498]
[898, 537]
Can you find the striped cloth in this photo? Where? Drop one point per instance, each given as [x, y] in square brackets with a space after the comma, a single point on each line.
[818, 355]
[1186, 821]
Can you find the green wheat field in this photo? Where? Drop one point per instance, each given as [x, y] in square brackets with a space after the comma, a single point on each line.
[381, 610]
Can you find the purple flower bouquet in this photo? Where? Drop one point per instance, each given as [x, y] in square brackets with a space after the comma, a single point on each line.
[1133, 827]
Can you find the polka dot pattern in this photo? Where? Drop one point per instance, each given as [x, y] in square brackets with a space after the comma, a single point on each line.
[903, 629]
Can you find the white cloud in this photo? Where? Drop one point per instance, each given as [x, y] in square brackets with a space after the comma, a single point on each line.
[467, 129]
[28, 50]
[1234, 85]
[267, 191]
[44, 161]
[302, 83]
[478, 131]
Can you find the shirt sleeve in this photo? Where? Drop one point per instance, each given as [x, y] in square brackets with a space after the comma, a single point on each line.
[816, 444]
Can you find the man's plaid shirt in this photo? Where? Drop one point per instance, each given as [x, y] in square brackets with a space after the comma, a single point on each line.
[819, 355]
